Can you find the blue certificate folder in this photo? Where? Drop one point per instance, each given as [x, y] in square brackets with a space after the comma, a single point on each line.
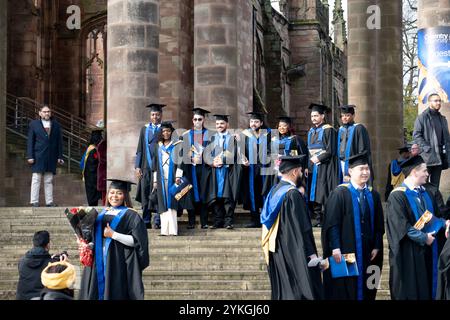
[343, 269]
[434, 225]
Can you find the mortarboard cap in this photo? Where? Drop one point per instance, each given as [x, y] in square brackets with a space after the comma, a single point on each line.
[223, 117]
[285, 119]
[200, 111]
[291, 162]
[120, 184]
[256, 115]
[168, 124]
[405, 148]
[358, 159]
[318, 107]
[348, 108]
[155, 107]
[408, 165]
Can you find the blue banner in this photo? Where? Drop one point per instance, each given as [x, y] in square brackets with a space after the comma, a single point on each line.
[434, 62]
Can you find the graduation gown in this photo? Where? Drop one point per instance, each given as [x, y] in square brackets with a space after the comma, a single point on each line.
[252, 196]
[352, 140]
[145, 150]
[229, 176]
[395, 177]
[290, 276]
[411, 265]
[124, 265]
[163, 203]
[90, 176]
[327, 176]
[286, 145]
[195, 174]
[339, 212]
[101, 170]
[443, 284]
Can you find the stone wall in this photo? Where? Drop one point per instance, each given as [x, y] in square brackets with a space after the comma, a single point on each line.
[3, 71]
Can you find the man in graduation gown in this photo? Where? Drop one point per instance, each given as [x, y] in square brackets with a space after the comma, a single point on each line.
[323, 169]
[413, 253]
[287, 238]
[89, 166]
[353, 139]
[395, 176]
[148, 138]
[194, 143]
[256, 165]
[222, 175]
[443, 282]
[354, 224]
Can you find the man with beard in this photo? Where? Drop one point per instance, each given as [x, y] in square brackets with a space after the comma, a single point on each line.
[413, 248]
[354, 225]
[323, 163]
[256, 163]
[353, 139]
[287, 238]
[145, 153]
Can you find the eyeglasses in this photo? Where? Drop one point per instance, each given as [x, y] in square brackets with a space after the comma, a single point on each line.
[198, 119]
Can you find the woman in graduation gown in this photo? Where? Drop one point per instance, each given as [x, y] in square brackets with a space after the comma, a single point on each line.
[288, 240]
[354, 224]
[413, 254]
[90, 164]
[167, 172]
[120, 250]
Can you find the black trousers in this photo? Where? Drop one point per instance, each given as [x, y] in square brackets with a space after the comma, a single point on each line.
[316, 212]
[223, 209]
[147, 217]
[435, 175]
[199, 209]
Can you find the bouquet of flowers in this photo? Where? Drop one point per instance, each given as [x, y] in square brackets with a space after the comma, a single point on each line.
[82, 221]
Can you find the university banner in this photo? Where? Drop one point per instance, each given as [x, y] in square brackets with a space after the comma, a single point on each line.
[434, 62]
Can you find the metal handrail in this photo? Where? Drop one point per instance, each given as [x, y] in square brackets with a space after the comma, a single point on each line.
[75, 131]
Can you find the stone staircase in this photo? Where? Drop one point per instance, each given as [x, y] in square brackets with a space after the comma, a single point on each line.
[197, 265]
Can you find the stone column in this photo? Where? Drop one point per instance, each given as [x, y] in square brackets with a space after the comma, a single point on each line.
[375, 79]
[436, 13]
[216, 57]
[132, 81]
[3, 68]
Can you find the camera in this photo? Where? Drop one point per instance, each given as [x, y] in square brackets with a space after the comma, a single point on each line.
[57, 257]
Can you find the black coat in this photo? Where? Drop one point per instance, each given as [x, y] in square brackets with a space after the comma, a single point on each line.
[43, 148]
[30, 268]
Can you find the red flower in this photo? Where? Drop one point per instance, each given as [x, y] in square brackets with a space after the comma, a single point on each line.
[74, 210]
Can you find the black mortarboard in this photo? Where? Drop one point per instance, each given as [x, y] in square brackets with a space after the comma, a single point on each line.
[405, 148]
[200, 111]
[408, 165]
[318, 107]
[223, 117]
[155, 107]
[291, 162]
[285, 119]
[358, 159]
[168, 124]
[256, 115]
[120, 184]
[348, 108]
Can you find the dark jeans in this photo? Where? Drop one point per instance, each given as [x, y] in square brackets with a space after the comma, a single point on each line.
[199, 209]
[223, 209]
[316, 213]
[435, 175]
[147, 217]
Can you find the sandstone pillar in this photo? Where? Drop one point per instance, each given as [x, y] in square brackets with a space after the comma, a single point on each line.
[375, 78]
[436, 13]
[3, 68]
[132, 81]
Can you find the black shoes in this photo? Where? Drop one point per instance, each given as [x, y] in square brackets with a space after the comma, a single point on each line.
[229, 227]
[205, 226]
[51, 205]
[191, 226]
[148, 225]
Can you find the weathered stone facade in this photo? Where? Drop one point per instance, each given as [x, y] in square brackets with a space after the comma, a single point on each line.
[3, 68]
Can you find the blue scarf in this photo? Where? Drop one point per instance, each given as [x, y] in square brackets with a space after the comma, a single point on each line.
[222, 171]
[317, 145]
[167, 198]
[272, 205]
[147, 145]
[102, 250]
[204, 133]
[351, 131]
[413, 197]
[357, 221]
[253, 141]
[395, 167]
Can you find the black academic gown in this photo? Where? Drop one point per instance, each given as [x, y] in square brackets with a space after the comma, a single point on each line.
[90, 178]
[145, 184]
[295, 147]
[443, 285]
[290, 276]
[339, 212]
[360, 143]
[259, 179]
[124, 265]
[233, 175]
[408, 261]
[328, 174]
[188, 199]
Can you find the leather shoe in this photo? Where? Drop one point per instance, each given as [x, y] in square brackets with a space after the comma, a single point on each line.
[191, 226]
[205, 226]
[229, 227]
[50, 205]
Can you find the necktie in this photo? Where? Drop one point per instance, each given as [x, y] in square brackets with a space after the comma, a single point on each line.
[421, 199]
[362, 203]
